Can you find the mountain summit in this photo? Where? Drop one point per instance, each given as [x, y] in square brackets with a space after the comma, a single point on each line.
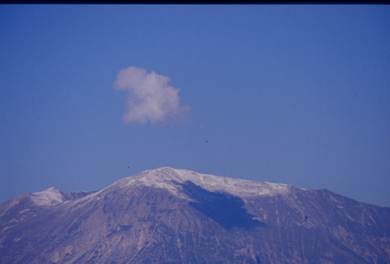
[169, 215]
[171, 180]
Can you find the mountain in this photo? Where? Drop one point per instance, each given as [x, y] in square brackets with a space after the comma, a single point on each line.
[169, 215]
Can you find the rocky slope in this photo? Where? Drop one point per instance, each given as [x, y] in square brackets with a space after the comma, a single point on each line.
[171, 215]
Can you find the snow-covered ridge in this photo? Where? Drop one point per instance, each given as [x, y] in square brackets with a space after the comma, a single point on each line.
[48, 197]
[170, 179]
[167, 178]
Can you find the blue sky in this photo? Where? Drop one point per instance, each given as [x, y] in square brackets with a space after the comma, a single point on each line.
[293, 94]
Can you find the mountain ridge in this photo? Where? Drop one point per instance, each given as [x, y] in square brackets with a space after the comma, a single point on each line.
[146, 173]
[168, 215]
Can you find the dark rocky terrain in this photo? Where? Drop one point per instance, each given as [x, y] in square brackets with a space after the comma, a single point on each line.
[178, 216]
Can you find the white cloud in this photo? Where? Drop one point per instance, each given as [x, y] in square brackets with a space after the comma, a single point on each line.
[150, 96]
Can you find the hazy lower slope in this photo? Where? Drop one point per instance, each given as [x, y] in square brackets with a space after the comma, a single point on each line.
[169, 215]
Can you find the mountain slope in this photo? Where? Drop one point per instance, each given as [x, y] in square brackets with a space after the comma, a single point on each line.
[170, 215]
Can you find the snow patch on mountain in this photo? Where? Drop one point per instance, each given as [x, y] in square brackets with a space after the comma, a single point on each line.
[48, 197]
[170, 179]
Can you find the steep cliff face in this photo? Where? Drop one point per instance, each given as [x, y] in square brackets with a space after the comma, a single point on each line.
[169, 215]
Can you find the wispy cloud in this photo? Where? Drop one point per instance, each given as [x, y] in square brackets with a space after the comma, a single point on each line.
[150, 96]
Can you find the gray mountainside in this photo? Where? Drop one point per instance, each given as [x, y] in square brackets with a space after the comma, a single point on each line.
[171, 215]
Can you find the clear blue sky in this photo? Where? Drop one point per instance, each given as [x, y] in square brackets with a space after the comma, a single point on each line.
[293, 94]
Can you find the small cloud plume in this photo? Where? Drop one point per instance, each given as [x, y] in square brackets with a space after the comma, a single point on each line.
[150, 96]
